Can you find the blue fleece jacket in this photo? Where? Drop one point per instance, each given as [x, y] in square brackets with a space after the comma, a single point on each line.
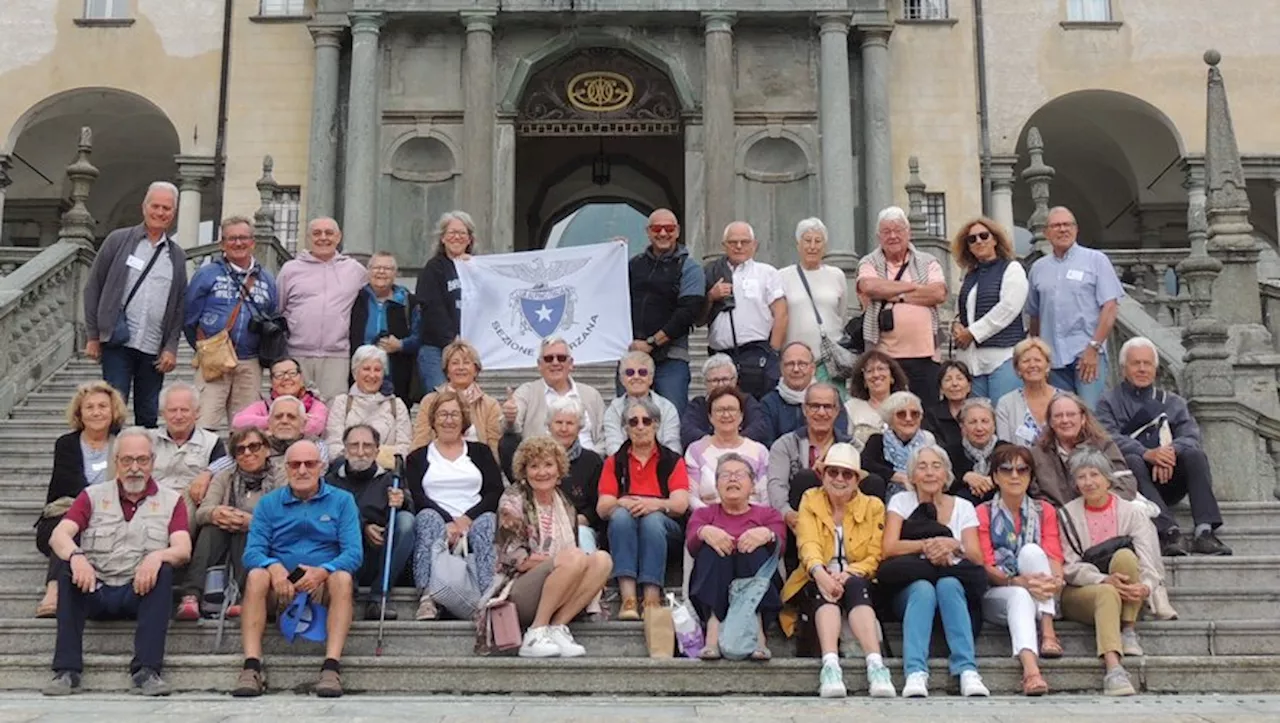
[323, 531]
[213, 293]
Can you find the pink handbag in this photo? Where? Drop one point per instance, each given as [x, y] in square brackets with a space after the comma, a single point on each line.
[504, 626]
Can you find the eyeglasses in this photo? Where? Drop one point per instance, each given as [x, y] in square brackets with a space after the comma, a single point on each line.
[361, 446]
[640, 422]
[974, 238]
[237, 239]
[820, 407]
[907, 414]
[724, 411]
[797, 364]
[637, 373]
[249, 448]
[457, 234]
[383, 269]
[1020, 470]
[448, 414]
[721, 381]
[737, 241]
[290, 374]
[736, 476]
[1063, 224]
[324, 232]
[555, 358]
[841, 472]
[140, 460]
[297, 464]
[663, 227]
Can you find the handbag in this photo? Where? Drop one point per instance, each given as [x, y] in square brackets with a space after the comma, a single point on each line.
[659, 632]
[503, 626]
[885, 319]
[840, 361]
[1098, 555]
[216, 355]
[454, 584]
[739, 633]
[120, 332]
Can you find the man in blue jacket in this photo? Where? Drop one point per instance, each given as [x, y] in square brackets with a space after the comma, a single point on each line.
[303, 538]
[229, 294]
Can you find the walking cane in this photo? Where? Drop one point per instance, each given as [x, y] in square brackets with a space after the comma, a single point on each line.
[386, 559]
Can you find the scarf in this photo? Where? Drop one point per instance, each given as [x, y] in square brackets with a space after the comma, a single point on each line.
[469, 396]
[279, 446]
[575, 451]
[896, 452]
[243, 483]
[361, 477]
[980, 456]
[790, 396]
[918, 264]
[1004, 541]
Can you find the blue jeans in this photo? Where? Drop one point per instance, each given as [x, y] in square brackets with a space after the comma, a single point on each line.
[126, 369]
[402, 545]
[998, 383]
[113, 602]
[917, 605]
[643, 542]
[671, 380]
[1069, 379]
[430, 367]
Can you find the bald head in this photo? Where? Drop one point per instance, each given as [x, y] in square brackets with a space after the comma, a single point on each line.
[663, 230]
[324, 236]
[739, 242]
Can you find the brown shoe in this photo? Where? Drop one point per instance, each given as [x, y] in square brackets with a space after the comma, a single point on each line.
[329, 685]
[630, 609]
[250, 684]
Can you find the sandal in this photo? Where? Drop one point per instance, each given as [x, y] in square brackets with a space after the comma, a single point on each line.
[1034, 685]
[1050, 648]
[761, 654]
[710, 653]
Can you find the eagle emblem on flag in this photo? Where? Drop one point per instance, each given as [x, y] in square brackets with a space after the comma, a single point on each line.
[542, 308]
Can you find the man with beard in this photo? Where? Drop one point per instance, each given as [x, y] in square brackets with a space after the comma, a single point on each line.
[285, 422]
[358, 472]
[132, 533]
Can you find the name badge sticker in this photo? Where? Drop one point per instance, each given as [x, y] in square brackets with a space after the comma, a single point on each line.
[134, 262]
[98, 466]
[1075, 275]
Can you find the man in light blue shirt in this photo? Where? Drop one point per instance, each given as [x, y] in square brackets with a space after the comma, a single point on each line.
[1072, 304]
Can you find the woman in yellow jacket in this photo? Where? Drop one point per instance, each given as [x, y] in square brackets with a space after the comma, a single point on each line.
[837, 564]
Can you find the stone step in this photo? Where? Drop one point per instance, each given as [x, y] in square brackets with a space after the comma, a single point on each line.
[1237, 514]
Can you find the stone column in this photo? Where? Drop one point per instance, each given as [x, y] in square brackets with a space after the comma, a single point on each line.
[360, 197]
[836, 122]
[322, 170]
[1038, 177]
[5, 182]
[694, 224]
[877, 147]
[193, 173]
[1275, 191]
[718, 125]
[77, 224]
[477, 176]
[1002, 191]
[504, 186]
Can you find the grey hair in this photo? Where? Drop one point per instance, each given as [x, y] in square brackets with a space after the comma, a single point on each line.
[369, 352]
[1086, 457]
[565, 405]
[161, 186]
[715, 361]
[635, 358]
[892, 214]
[647, 405]
[179, 386]
[811, 224]
[551, 341]
[750, 231]
[1138, 342]
[1062, 209]
[819, 386]
[973, 403]
[914, 458]
[302, 408]
[898, 401]
[735, 457]
[128, 432]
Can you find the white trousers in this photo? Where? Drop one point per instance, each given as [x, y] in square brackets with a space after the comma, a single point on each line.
[1014, 606]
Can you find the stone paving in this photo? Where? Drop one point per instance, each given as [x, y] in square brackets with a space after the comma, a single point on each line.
[16, 708]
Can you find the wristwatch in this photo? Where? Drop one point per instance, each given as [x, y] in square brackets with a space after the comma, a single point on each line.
[1095, 345]
[651, 340]
[75, 552]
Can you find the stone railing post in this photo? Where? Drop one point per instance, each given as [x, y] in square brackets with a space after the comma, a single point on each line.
[77, 223]
[264, 219]
[1038, 176]
[918, 219]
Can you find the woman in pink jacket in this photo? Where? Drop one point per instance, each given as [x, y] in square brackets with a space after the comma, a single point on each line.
[286, 380]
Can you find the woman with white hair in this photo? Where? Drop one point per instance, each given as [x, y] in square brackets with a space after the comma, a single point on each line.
[439, 293]
[886, 453]
[565, 417]
[635, 371]
[816, 294]
[366, 404]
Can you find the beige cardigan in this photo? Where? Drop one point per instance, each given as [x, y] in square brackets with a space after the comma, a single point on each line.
[1131, 519]
[486, 417]
[387, 414]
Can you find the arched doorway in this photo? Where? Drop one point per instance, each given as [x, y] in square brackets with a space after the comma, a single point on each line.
[598, 132]
[134, 143]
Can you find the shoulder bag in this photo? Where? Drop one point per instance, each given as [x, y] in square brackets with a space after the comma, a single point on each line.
[120, 332]
[855, 340]
[839, 361]
[1098, 555]
[216, 355]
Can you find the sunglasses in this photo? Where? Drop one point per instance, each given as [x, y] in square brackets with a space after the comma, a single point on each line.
[663, 227]
[907, 414]
[841, 472]
[640, 422]
[297, 464]
[637, 373]
[974, 238]
[1020, 470]
[555, 358]
[248, 448]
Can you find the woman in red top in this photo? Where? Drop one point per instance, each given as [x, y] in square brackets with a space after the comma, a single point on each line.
[1023, 557]
[644, 491]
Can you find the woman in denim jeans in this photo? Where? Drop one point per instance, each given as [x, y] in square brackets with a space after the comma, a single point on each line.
[644, 494]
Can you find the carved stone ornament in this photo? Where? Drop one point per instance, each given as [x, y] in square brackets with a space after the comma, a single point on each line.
[599, 92]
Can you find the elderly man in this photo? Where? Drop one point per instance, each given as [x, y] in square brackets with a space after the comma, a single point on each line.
[783, 406]
[792, 457]
[318, 288]
[1161, 443]
[1073, 302]
[900, 283]
[358, 472]
[304, 538]
[388, 316]
[133, 303]
[186, 456]
[132, 534]
[636, 374]
[746, 310]
[227, 295]
[667, 291]
[286, 422]
[695, 423]
[525, 410]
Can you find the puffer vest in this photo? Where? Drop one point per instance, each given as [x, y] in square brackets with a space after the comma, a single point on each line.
[115, 547]
[989, 278]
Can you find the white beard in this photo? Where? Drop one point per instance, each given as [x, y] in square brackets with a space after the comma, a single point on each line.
[134, 487]
[359, 465]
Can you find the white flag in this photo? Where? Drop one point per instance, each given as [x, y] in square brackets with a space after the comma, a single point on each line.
[511, 302]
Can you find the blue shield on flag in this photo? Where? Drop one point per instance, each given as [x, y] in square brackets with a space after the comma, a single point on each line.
[544, 309]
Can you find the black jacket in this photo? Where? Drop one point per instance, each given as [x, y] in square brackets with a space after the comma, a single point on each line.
[371, 494]
[945, 428]
[68, 478]
[439, 292]
[695, 421]
[399, 324]
[582, 486]
[961, 465]
[490, 481]
[667, 292]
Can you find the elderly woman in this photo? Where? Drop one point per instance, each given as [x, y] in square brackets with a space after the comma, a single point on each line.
[989, 308]
[462, 366]
[366, 403]
[931, 551]
[886, 453]
[551, 580]
[223, 517]
[644, 491]
[728, 540]
[1023, 557]
[635, 372]
[387, 316]
[1072, 425]
[816, 294]
[1020, 414]
[440, 294]
[702, 457]
[971, 456]
[838, 560]
[695, 419]
[875, 377]
[1107, 590]
[81, 457]
[455, 486]
[286, 381]
[955, 385]
[565, 417]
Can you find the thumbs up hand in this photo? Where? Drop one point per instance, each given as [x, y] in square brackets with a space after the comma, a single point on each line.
[509, 406]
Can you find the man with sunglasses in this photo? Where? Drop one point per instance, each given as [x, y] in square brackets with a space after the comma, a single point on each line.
[667, 292]
[525, 409]
[304, 538]
[636, 375]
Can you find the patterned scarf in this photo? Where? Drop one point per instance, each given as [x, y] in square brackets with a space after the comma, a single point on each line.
[1004, 541]
[980, 456]
[918, 264]
[896, 452]
[575, 451]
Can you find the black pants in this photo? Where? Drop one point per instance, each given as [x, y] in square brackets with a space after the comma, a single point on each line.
[214, 546]
[922, 377]
[712, 574]
[1191, 478]
[113, 602]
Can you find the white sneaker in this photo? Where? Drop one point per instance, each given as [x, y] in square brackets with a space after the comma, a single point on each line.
[538, 644]
[917, 685]
[879, 684]
[831, 682]
[1129, 643]
[971, 685]
[563, 639]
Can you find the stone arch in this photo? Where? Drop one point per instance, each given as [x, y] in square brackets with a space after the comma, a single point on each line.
[419, 181]
[570, 187]
[437, 150]
[777, 175]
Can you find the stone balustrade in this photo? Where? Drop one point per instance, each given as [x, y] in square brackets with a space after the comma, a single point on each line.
[11, 257]
[271, 254]
[1150, 275]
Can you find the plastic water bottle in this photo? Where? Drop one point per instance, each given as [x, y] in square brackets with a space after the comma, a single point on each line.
[688, 628]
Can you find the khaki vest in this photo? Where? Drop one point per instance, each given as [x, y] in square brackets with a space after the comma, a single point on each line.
[115, 547]
[175, 466]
